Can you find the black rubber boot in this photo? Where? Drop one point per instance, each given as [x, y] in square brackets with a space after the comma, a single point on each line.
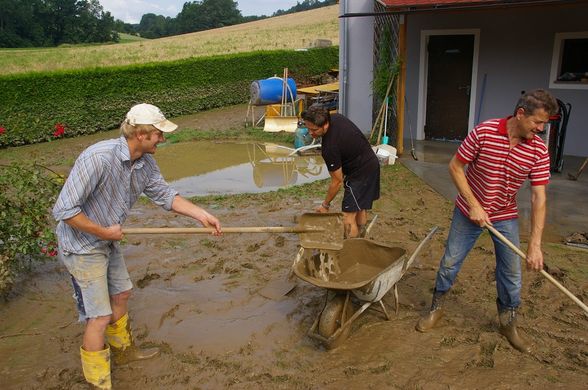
[508, 328]
[427, 322]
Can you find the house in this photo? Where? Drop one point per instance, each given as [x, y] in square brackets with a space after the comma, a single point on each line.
[465, 61]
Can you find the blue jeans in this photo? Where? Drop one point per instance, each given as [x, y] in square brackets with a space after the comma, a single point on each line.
[462, 237]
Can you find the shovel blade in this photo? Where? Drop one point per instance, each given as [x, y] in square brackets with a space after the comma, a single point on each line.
[330, 230]
[281, 123]
[277, 289]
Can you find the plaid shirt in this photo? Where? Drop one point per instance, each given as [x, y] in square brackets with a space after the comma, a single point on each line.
[104, 184]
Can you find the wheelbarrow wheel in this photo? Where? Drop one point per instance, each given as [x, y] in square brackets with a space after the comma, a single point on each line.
[332, 318]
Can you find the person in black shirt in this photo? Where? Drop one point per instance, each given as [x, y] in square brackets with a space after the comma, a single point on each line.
[352, 164]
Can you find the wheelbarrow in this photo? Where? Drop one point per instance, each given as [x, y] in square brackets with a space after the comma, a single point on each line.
[363, 268]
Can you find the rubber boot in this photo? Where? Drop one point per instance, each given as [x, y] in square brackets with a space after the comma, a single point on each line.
[427, 322]
[120, 339]
[508, 328]
[96, 367]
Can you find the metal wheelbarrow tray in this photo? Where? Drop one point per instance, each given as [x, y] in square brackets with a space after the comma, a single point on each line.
[365, 268]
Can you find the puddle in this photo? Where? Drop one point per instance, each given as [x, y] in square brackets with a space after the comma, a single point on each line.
[205, 316]
[206, 168]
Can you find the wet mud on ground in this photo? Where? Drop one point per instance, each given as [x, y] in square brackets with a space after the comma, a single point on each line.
[198, 298]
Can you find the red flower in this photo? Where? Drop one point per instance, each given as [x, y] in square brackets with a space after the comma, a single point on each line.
[59, 130]
[49, 249]
[2, 130]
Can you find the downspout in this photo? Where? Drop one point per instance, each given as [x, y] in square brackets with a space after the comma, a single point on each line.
[401, 90]
[344, 59]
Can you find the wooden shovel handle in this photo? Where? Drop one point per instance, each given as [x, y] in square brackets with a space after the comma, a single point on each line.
[549, 277]
[263, 229]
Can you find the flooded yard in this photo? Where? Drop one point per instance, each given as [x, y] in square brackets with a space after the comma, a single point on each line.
[201, 168]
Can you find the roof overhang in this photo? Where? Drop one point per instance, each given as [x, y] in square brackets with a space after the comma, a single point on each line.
[410, 6]
[416, 6]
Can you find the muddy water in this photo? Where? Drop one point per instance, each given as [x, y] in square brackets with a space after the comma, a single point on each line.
[204, 167]
[207, 317]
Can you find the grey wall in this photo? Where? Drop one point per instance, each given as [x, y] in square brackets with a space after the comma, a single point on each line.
[356, 54]
[516, 47]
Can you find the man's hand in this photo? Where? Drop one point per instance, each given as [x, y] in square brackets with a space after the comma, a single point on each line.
[81, 222]
[479, 216]
[534, 258]
[210, 221]
[112, 233]
[321, 209]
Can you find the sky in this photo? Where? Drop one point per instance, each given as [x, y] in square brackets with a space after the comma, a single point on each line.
[131, 11]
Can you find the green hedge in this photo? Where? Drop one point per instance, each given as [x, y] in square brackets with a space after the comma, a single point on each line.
[92, 100]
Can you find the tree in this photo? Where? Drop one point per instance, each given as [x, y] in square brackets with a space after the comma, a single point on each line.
[207, 14]
[154, 26]
[54, 22]
[221, 13]
[94, 25]
[20, 23]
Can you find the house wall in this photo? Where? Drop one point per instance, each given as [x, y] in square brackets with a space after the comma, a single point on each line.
[356, 54]
[515, 52]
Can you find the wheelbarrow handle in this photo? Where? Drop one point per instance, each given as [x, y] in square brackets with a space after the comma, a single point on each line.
[549, 277]
[409, 261]
[252, 229]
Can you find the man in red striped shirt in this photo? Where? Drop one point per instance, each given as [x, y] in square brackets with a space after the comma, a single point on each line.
[500, 155]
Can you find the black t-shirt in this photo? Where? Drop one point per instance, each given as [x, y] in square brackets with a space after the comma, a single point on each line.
[345, 146]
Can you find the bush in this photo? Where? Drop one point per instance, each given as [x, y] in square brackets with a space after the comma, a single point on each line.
[91, 100]
[26, 233]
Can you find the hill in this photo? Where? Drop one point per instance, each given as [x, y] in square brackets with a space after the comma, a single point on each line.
[290, 31]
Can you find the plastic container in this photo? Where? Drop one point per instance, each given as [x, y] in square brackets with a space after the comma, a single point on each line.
[302, 137]
[386, 154]
[269, 91]
[383, 156]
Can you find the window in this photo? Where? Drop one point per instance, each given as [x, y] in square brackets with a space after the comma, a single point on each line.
[569, 65]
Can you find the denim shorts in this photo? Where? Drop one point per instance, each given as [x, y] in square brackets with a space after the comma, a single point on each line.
[95, 277]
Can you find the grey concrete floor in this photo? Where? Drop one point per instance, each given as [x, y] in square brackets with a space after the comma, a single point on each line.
[567, 200]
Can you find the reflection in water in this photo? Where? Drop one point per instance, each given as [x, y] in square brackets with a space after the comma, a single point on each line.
[274, 167]
[253, 168]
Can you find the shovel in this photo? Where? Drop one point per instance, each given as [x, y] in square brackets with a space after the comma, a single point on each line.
[316, 230]
[549, 277]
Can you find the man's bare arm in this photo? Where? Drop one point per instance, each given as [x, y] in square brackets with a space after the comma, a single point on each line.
[477, 213]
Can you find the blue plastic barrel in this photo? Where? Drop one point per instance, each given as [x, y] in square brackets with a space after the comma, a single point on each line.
[269, 91]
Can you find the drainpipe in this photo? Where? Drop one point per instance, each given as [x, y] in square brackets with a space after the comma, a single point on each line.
[343, 58]
[401, 86]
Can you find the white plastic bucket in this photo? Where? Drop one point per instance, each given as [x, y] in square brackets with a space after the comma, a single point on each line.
[383, 156]
[386, 154]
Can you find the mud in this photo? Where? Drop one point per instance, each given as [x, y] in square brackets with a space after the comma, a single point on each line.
[198, 298]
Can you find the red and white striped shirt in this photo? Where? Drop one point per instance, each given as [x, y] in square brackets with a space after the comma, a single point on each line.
[496, 172]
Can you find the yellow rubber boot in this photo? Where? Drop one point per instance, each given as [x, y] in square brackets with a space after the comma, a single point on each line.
[119, 336]
[96, 367]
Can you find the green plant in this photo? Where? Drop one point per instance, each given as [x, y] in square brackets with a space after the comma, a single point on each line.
[91, 100]
[387, 67]
[26, 234]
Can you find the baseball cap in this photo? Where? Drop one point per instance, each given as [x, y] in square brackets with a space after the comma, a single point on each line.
[148, 114]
